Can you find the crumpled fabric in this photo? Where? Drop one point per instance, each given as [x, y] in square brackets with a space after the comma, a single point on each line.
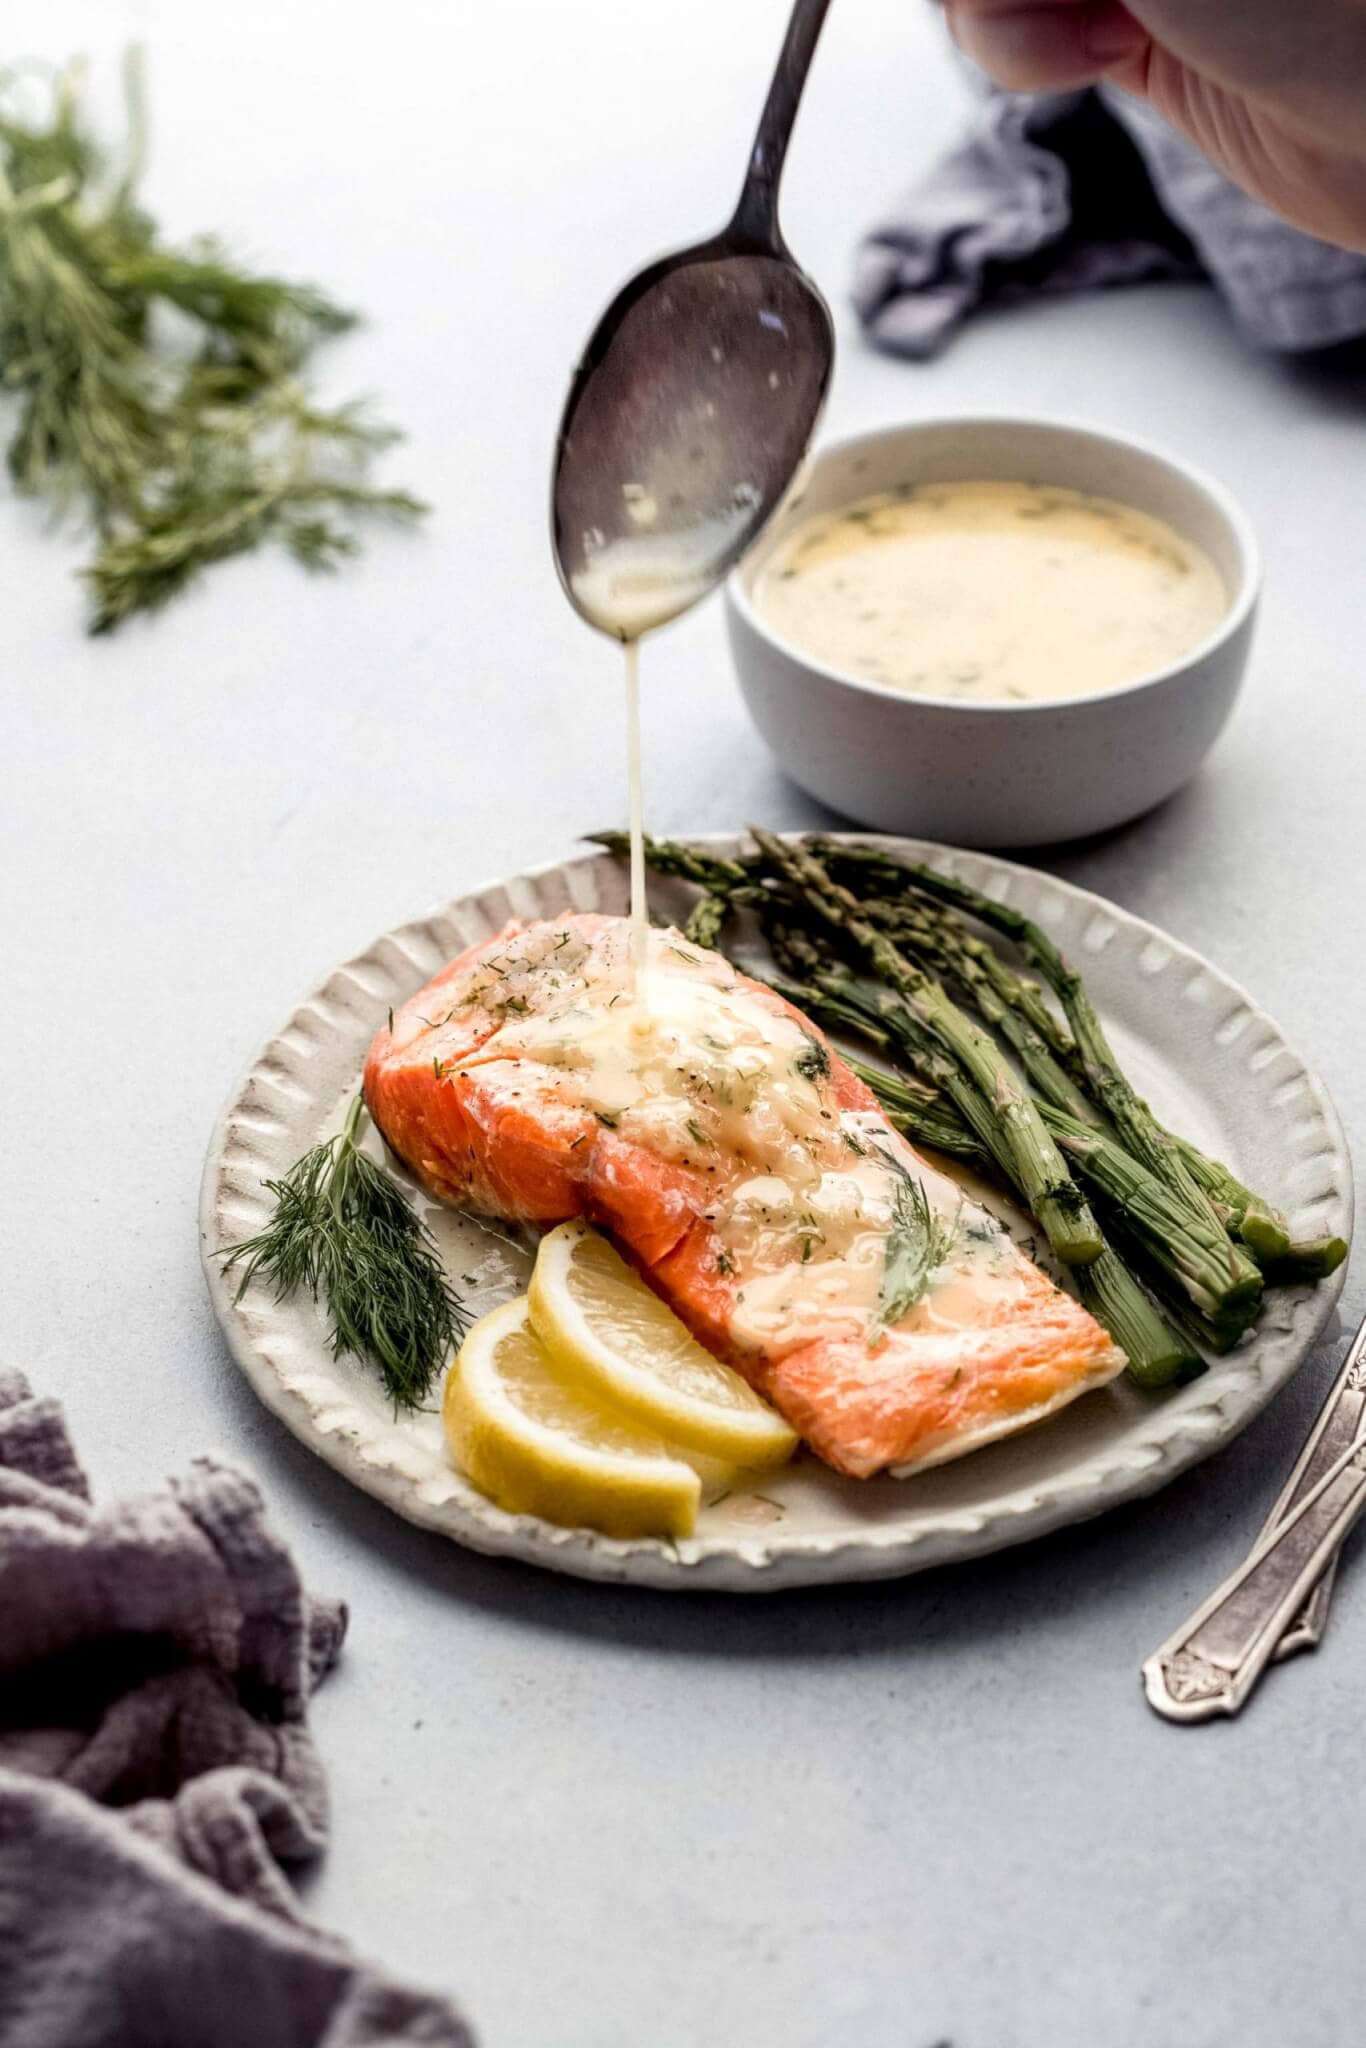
[157, 1773]
[1083, 191]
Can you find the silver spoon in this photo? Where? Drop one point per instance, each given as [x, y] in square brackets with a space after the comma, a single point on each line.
[695, 399]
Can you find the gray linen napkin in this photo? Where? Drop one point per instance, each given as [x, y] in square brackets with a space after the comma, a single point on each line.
[1079, 191]
[156, 1770]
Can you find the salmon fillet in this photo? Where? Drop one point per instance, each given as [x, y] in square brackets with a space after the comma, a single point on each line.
[712, 1129]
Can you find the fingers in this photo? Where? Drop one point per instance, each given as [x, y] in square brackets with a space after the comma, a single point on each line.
[1045, 45]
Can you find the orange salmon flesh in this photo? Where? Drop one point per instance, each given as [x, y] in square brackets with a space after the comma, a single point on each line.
[752, 1179]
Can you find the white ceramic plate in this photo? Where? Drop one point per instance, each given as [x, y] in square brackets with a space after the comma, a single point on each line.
[1211, 1062]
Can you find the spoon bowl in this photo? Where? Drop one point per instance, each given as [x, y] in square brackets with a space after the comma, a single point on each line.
[695, 399]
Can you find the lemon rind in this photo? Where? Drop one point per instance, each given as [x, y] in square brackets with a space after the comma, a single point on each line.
[525, 1468]
[757, 1438]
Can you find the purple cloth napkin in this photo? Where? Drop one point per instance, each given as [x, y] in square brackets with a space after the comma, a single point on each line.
[1080, 191]
[156, 1771]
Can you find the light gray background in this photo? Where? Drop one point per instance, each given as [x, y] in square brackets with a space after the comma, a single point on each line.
[889, 1816]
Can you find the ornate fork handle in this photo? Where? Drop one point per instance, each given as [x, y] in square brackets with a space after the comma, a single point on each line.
[1342, 1416]
[1210, 1665]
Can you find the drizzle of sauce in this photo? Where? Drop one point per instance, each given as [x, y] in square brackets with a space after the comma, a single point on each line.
[666, 556]
[640, 923]
[991, 592]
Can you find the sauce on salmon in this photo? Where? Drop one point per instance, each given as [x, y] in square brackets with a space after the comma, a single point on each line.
[752, 1177]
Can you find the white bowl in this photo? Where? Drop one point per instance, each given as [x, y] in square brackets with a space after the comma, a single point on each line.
[999, 774]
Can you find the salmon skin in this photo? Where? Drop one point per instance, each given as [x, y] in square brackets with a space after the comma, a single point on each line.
[713, 1130]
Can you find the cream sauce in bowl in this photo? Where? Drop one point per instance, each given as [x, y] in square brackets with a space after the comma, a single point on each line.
[990, 592]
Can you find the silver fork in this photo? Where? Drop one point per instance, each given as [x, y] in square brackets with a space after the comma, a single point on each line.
[1277, 1601]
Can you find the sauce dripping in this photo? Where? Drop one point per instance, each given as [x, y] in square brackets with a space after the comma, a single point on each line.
[640, 923]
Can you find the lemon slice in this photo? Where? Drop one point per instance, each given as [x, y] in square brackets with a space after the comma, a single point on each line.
[603, 1326]
[538, 1445]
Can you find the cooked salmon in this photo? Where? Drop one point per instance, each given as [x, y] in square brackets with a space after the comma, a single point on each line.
[712, 1129]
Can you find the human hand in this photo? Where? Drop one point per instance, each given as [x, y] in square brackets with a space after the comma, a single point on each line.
[1273, 93]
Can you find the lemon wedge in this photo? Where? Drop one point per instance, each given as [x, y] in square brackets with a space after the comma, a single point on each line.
[611, 1335]
[538, 1444]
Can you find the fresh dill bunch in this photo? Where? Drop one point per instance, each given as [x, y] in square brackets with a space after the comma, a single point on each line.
[918, 1243]
[161, 390]
[343, 1229]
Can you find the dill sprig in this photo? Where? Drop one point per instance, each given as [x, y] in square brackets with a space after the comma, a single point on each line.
[343, 1229]
[919, 1241]
[159, 390]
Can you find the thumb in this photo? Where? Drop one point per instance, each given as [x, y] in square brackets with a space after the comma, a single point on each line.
[1045, 45]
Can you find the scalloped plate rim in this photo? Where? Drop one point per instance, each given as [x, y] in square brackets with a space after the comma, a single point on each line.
[775, 1562]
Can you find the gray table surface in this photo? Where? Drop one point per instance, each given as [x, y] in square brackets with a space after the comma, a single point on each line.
[891, 1816]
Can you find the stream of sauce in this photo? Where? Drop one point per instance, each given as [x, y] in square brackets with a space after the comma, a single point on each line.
[640, 922]
[991, 592]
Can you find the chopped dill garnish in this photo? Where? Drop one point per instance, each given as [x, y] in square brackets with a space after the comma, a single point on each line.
[391, 1019]
[610, 1117]
[436, 1066]
[342, 1229]
[858, 1149]
[697, 1134]
[725, 1264]
[813, 1061]
[918, 1243]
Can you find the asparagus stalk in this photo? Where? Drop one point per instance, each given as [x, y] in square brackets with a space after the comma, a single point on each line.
[1261, 1228]
[1308, 1259]
[707, 918]
[943, 948]
[921, 1114]
[1192, 1253]
[831, 992]
[1143, 1136]
[1247, 1217]
[1051, 1193]
[672, 857]
[1156, 1349]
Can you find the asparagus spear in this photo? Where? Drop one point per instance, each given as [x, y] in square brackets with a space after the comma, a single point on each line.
[1246, 1215]
[1143, 1136]
[943, 948]
[831, 992]
[1263, 1229]
[672, 857]
[707, 918]
[1191, 1252]
[1051, 1193]
[922, 1114]
[1157, 1350]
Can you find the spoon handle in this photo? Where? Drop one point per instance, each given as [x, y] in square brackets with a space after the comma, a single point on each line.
[756, 216]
